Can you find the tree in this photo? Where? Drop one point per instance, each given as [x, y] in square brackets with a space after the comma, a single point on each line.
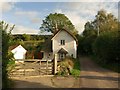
[89, 30]
[5, 44]
[103, 22]
[25, 37]
[105, 45]
[56, 21]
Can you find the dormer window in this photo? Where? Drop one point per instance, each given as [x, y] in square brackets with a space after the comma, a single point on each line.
[62, 42]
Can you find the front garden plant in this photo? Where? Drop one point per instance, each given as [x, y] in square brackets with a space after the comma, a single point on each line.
[69, 66]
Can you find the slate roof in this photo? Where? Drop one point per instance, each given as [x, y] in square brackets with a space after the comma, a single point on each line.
[47, 45]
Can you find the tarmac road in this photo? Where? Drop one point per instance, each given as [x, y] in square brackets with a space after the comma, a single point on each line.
[93, 76]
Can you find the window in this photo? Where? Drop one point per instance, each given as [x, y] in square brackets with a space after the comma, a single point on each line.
[62, 42]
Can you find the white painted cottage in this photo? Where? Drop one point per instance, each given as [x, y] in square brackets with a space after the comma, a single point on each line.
[63, 43]
[19, 52]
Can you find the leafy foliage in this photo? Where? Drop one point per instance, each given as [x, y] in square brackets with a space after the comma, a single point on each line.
[85, 45]
[89, 30]
[56, 21]
[101, 38]
[106, 48]
[76, 69]
[103, 22]
[69, 66]
[5, 44]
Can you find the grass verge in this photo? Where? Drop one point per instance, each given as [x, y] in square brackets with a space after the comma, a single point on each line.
[76, 69]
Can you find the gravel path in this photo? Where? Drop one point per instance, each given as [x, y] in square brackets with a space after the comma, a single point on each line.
[93, 76]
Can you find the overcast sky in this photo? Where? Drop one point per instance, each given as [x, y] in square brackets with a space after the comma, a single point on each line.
[28, 16]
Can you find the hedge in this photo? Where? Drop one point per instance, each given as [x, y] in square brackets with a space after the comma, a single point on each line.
[107, 47]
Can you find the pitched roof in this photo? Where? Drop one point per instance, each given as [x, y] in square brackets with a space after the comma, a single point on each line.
[47, 45]
[67, 32]
[19, 49]
[62, 51]
[12, 47]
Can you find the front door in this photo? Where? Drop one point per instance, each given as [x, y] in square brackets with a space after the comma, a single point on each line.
[61, 56]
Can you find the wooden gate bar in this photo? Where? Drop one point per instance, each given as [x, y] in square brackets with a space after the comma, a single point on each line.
[41, 67]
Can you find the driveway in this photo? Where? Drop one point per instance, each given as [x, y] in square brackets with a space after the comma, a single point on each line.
[93, 76]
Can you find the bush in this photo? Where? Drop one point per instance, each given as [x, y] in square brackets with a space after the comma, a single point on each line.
[65, 66]
[85, 45]
[106, 48]
[75, 72]
[69, 66]
[76, 69]
[10, 66]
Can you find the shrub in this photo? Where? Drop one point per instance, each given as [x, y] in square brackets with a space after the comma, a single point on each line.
[65, 66]
[75, 72]
[106, 48]
[69, 66]
[76, 69]
[85, 45]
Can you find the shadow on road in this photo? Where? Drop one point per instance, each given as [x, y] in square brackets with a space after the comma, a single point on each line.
[27, 84]
[94, 76]
[100, 78]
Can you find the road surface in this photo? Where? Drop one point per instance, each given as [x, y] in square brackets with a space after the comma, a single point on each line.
[93, 76]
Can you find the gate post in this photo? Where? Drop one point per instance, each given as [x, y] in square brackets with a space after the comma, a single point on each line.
[55, 64]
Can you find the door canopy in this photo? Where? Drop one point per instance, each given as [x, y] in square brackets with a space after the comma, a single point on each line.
[62, 51]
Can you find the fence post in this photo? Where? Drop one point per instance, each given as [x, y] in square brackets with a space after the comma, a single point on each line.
[24, 67]
[40, 68]
[47, 67]
[55, 64]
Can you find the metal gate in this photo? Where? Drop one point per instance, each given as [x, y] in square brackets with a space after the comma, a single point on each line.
[32, 67]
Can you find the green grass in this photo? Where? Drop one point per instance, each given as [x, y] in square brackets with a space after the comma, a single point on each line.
[76, 70]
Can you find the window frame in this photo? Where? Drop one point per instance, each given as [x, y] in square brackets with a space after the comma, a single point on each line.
[62, 42]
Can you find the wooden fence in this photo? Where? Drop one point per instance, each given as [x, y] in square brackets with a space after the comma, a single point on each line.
[32, 67]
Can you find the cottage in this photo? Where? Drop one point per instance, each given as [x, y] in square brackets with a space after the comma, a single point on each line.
[63, 43]
[19, 52]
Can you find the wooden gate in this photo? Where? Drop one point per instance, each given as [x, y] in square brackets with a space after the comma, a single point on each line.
[32, 67]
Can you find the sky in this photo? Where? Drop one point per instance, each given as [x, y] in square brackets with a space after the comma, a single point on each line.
[28, 15]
